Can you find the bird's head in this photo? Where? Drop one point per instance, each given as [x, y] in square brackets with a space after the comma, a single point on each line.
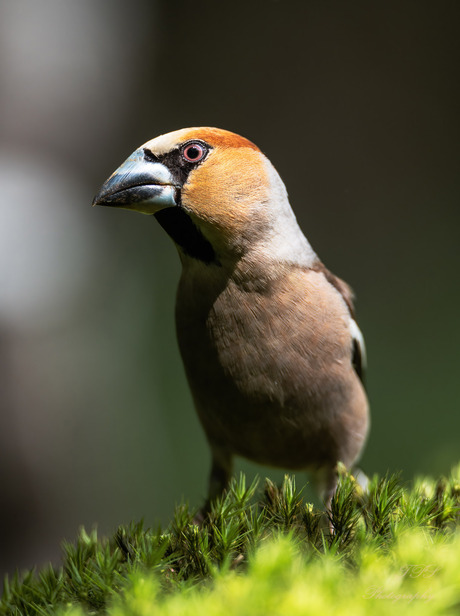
[213, 191]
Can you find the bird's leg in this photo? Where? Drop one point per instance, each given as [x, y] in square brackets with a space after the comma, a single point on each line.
[221, 472]
[219, 478]
[325, 480]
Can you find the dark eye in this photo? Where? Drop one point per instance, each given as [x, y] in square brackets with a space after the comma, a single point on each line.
[194, 152]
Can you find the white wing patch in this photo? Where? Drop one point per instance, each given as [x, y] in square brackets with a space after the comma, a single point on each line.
[358, 337]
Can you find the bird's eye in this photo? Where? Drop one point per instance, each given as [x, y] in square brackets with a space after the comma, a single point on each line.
[194, 152]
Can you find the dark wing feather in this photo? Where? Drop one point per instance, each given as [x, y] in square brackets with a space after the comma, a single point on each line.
[358, 358]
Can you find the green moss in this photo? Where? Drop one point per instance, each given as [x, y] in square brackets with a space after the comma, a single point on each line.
[391, 550]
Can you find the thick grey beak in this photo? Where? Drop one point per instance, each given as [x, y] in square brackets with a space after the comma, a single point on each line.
[140, 185]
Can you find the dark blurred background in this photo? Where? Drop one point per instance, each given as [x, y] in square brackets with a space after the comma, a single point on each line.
[356, 104]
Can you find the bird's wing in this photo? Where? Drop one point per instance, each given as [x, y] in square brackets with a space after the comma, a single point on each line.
[358, 357]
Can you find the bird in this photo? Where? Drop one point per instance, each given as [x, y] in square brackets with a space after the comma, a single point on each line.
[272, 352]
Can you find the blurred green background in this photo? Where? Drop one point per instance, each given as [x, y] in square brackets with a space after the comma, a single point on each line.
[355, 103]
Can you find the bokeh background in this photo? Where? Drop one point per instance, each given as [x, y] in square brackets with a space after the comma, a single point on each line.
[357, 105]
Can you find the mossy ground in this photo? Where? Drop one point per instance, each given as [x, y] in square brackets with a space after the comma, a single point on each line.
[392, 549]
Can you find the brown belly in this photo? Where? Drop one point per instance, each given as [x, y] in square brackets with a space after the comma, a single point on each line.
[269, 420]
[266, 386]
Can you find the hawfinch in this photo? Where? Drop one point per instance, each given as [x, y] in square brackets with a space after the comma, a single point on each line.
[267, 334]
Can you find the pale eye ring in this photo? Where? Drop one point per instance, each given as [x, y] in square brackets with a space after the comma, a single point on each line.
[194, 152]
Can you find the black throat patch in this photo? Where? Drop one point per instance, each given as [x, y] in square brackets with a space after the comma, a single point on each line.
[179, 226]
[177, 223]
